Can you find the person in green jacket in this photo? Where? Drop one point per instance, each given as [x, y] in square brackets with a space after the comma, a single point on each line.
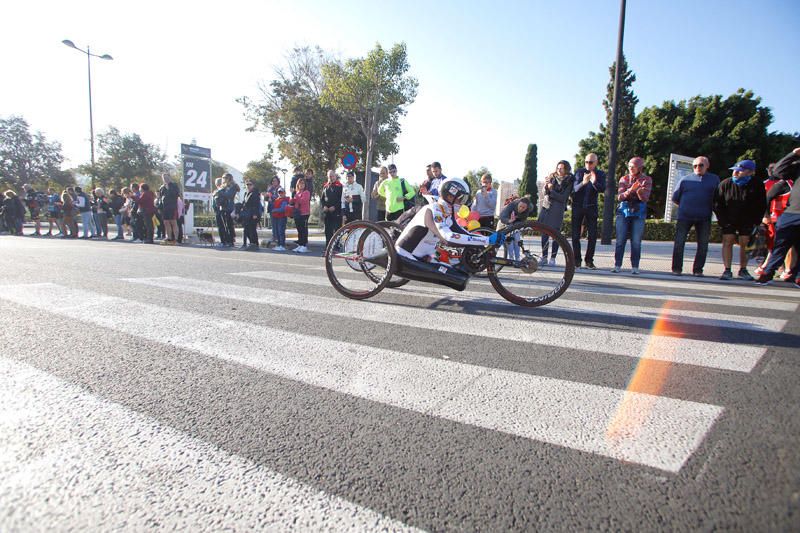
[396, 191]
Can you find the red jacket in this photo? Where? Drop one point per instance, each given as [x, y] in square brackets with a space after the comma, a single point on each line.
[280, 207]
[147, 203]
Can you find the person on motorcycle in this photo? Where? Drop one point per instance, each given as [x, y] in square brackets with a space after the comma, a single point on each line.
[433, 223]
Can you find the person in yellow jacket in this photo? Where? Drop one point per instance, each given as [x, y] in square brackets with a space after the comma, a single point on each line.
[398, 194]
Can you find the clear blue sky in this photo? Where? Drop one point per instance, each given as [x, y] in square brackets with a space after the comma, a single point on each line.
[494, 76]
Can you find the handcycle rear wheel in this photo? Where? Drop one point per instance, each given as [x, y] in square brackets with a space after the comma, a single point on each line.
[394, 230]
[360, 259]
[529, 280]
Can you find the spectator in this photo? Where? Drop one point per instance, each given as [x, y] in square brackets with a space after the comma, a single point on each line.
[778, 191]
[250, 215]
[331, 202]
[54, 213]
[589, 181]
[397, 192]
[180, 220]
[352, 198]
[137, 220]
[35, 201]
[426, 183]
[437, 178]
[11, 212]
[310, 181]
[217, 201]
[383, 175]
[69, 210]
[85, 209]
[298, 175]
[632, 194]
[557, 190]
[158, 223]
[169, 193]
[515, 210]
[485, 202]
[147, 211]
[272, 194]
[280, 214]
[302, 210]
[223, 201]
[788, 225]
[694, 197]
[116, 204]
[102, 212]
[739, 203]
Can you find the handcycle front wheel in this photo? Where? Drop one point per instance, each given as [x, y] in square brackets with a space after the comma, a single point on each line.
[360, 259]
[526, 276]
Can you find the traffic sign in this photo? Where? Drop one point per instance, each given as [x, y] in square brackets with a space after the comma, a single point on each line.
[349, 160]
[196, 178]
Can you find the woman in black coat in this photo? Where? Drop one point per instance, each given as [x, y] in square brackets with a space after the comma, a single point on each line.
[250, 215]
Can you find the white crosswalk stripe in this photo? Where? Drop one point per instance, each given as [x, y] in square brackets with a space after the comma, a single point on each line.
[775, 305]
[638, 428]
[113, 458]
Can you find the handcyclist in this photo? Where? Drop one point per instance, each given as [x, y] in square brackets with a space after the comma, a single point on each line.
[433, 223]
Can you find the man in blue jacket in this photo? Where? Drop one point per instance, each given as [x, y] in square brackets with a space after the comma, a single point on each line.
[694, 196]
[588, 182]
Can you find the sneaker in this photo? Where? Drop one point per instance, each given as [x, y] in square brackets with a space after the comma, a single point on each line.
[698, 274]
[786, 276]
[590, 265]
[552, 262]
[763, 279]
[252, 248]
[137, 241]
[635, 271]
[279, 249]
[677, 273]
[745, 275]
[616, 269]
[301, 250]
[797, 283]
[726, 275]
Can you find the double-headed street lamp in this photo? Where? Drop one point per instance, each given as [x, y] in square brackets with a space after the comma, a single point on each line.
[89, 57]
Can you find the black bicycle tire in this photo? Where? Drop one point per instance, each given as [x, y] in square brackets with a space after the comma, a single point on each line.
[569, 271]
[391, 261]
[395, 282]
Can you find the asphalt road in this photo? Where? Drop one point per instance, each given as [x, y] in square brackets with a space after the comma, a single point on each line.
[152, 387]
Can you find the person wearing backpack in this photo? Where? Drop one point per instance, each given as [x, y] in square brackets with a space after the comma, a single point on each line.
[398, 193]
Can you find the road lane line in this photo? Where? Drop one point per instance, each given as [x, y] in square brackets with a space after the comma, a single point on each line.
[663, 434]
[72, 460]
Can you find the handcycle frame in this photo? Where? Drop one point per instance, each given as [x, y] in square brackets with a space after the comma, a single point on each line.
[478, 260]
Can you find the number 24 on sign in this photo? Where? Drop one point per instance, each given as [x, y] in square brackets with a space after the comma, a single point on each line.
[193, 180]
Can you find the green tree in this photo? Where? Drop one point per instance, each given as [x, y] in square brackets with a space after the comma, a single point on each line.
[725, 130]
[29, 158]
[262, 170]
[599, 143]
[125, 158]
[473, 179]
[529, 184]
[373, 92]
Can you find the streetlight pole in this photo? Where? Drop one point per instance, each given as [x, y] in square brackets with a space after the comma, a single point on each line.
[89, 56]
[611, 187]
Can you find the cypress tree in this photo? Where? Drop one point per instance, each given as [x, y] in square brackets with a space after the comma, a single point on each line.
[529, 183]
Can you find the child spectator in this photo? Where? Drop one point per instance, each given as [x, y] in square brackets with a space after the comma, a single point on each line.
[280, 211]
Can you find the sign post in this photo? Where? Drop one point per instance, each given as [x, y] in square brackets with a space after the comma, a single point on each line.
[680, 166]
[196, 179]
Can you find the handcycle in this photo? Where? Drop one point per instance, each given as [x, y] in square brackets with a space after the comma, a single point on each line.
[361, 261]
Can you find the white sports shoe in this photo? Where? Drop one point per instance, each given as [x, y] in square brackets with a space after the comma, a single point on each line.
[301, 249]
[552, 262]
[279, 249]
[616, 269]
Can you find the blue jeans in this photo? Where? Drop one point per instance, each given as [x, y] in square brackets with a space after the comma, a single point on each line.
[87, 220]
[703, 230]
[118, 222]
[279, 230]
[629, 228]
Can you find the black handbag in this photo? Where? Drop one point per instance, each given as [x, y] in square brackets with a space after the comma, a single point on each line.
[407, 204]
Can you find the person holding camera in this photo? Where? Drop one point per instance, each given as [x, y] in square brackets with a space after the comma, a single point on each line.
[485, 202]
[632, 194]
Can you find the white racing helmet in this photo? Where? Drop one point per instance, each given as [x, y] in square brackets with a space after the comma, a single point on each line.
[454, 191]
